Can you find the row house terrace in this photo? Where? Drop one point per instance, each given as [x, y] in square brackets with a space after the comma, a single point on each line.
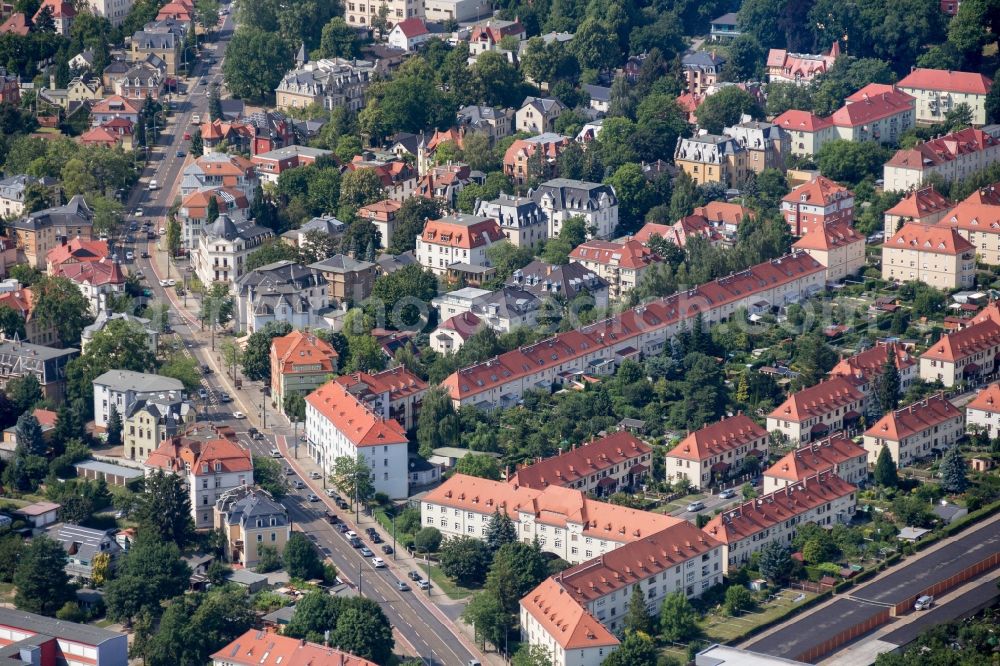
[824, 499]
[967, 353]
[919, 430]
[867, 365]
[601, 466]
[977, 219]
[953, 157]
[925, 205]
[832, 405]
[646, 329]
[836, 454]
[565, 521]
[983, 413]
[709, 455]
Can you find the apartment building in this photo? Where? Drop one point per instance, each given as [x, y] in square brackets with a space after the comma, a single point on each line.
[361, 13]
[601, 466]
[919, 430]
[807, 132]
[818, 203]
[494, 122]
[395, 393]
[148, 422]
[209, 466]
[521, 219]
[799, 68]
[193, 213]
[330, 83]
[222, 250]
[113, 10]
[214, 170]
[966, 353]
[561, 282]
[300, 364]
[977, 219]
[48, 365]
[22, 301]
[710, 158]
[12, 191]
[767, 144]
[382, 214]
[265, 648]
[538, 115]
[507, 309]
[164, 39]
[865, 367]
[983, 413]
[501, 381]
[48, 641]
[283, 291]
[272, 164]
[457, 239]
[37, 233]
[121, 388]
[250, 518]
[835, 454]
[832, 405]
[933, 254]
[951, 157]
[534, 157]
[837, 246]
[924, 205]
[824, 499]
[562, 198]
[565, 521]
[577, 613]
[701, 69]
[347, 279]
[711, 454]
[339, 424]
[939, 91]
[621, 264]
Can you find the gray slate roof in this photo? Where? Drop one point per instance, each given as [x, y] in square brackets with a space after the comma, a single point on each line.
[39, 624]
[76, 213]
[341, 263]
[140, 382]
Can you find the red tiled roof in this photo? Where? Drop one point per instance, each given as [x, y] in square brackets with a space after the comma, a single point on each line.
[77, 249]
[448, 231]
[811, 459]
[17, 24]
[582, 461]
[380, 210]
[869, 363]
[987, 399]
[820, 191]
[348, 415]
[718, 438]
[61, 9]
[909, 420]
[947, 80]
[935, 238]
[121, 105]
[829, 237]
[99, 135]
[873, 102]
[564, 619]
[298, 348]
[818, 400]
[920, 203]
[21, 301]
[260, 648]
[103, 271]
[630, 254]
[179, 453]
[794, 120]
[725, 213]
[943, 149]
[759, 514]
[465, 324]
[653, 228]
[965, 342]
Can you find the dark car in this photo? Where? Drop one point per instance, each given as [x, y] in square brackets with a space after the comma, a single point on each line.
[205, 370]
[332, 518]
[342, 505]
[180, 153]
[413, 575]
[370, 531]
[355, 542]
[376, 538]
[144, 254]
[387, 549]
[341, 527]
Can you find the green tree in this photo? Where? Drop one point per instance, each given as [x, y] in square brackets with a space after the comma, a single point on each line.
[114, 430]
[499, 531]
[465, 560]
[410, 221]
[164, 509]
[353, 478]
[479, 464]
[60, 304]
[24, 392]
[745, 60]
[738, 600]
[41, 581]
[593, 48]
[255, 62]
[11, 551]
[850, 161]
[269, 474]
[637, 649]
[403, 294]
[364, 630]
[532, 655]
[427, 540]
[678, 620]
[29, 435]
[359, 188]
[437, 423]
[491, 620]
[912, 511]
[885, 469]
[151, 572]
[257, 354]
[887, 384]
[637, 617]
[499, 80]
[516, 570]
[269, 253]
[339, 40]
[954, 471]
[775, 562]
[268, 559]
[197, 143]
[635, 197]
[295, 408]
[301, 558]
[725, 108]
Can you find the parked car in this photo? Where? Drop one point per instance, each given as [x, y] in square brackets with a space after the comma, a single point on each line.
[203, 394]
[696, 506]
[225, 397]
[365, 552]
[413, 575]
[129, 256]
[138, 212]
[402, 587]
[315, 476]
[332, 518]
[341, 527]
[180, 153]
[355, 542]
[924, 602]
[239, 415]
[312, 498]
[206, 370]
[144, 254]
[298, 485]
[728, 493]
[387, 549]
[352, 535]
[376, 539]
[423, 584]
[275, 453]
[378, 563]
[342, 505]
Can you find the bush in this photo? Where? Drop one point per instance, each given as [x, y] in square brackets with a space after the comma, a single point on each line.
[738, 599]
[427, 540]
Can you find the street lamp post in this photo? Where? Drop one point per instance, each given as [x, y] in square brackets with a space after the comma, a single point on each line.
[393, 535]
[263, 402]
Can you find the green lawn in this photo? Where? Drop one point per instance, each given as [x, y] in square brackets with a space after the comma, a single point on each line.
[447, 585]
[721, 628]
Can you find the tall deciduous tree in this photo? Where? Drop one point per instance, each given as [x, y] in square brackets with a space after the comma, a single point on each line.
[301, 558]
[637, 617]
[149, 573]
[465, 560]
[352, 477]
[517, 568]
[725, 108]
[61, 305]
[41, 581]
[255, 62]
[678, 620]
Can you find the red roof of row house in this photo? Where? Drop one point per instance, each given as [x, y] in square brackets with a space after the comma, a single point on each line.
[869, 363]
[818, 400]
[565, 619]
[463, 231]
[987, 399]
[21, 301]
[262, 648]
[920, 203]
[303, 349]
[873, 102]
[766, 511]
[816, 458]
[939, 239]
[794, 120]
[980, 211]
[655, 315]
[630, 254]
[942, 149]
[829, 237]
[970, 83]
[718, 438]
[983, 333]
[582, 461]
[914, 418]
[802, 66]
[179, 453]
[398, 382]
[552, 505]
[820, 191]
[350, 416]
[989, 195]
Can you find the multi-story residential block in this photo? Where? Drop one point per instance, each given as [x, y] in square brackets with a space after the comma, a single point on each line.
[977, 219]
[347, 279]
[522, 220]
[799, 68]
[561, 282]
[818, 203]
[602, 466]
[38, 233]
[382, 214]
[272, 164]
[598, 347]
[766, 144]
[709, 158]
[84, 547]
[457, 239]
[924, 205]
[865, 367]
[576, 614]
[967, 353]
[394, 394]
[621, 264]
[919, 430]
[983, 413]
[48, 365]
[565, 521]
[193, 213]
[330, 83]
[148, 422]
[701, 69]
[494, 122]
[339, 424]
[250, 518]
[537, 115]
[459, 301]
[508, 308]
[939, 91]
[12, 191]
[223, 248]
[208, 465]
[164, 39]
[300, 364]
[563, 198]
[952, 157]
[140, 81]
[113, 10]
[835, 454]
[55, 642]
[932, 254]
[832, 405]
[361, 14]
[22, 301]
[837, 246]
[281, 292]
[250, 650]
[534, 157]
[486, 36]
[824, 499]
[215, 170]
[121, 388]
[807, 131]
[98, 281]
[716, 452]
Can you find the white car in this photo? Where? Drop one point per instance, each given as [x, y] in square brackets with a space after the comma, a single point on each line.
[153, 185]
[378, 562]
[129, 256]
[171, 282]
[163, 283]
[162, 231]
[138, 212]
[350, 534]
[239, 415]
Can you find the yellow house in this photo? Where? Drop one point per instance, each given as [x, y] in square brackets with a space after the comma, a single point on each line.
[710, 158]
[250, 518]
[837, 246]
[929, 253]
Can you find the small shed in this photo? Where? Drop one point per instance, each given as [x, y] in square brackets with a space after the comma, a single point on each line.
[949, 513]
[252, 581]
[912, 534]
[39, 514]
[280, 617]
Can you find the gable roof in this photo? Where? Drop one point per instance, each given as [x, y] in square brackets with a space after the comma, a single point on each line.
[928, 238]
[820, 191]
[815, 458]
[718, 438]
[802, 121]
[971, 83]
[986, 400]
[359, 424]
[869, 363]
[873, 102]
[630, 254]
[564, 619]
[463, 231]
[919, 203]
[581, 461]
[178, 454]
[829, 237]
[78, 249]
[965, 342]
[818, 400]
[943, 149]
[261, 648]
[298, 348]
[914, 418]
